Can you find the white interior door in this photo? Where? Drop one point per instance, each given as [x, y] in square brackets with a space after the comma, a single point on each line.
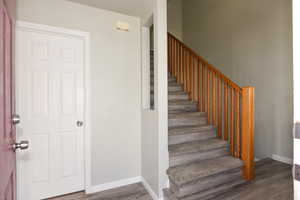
[50, 101]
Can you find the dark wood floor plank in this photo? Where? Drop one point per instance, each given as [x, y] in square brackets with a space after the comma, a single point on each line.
[130, 192]
[273, 182]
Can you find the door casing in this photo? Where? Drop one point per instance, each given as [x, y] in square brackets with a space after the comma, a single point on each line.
[85, 36]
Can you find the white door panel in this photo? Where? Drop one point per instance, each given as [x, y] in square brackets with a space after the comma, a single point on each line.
[50, 100]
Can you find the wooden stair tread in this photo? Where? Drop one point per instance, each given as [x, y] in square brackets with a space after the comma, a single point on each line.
[184, 174]
[198, 146]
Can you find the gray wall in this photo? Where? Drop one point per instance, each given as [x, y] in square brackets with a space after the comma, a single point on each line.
[175, 18]
[251, 42]
[115, 82]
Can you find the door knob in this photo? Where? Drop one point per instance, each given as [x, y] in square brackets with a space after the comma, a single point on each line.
[22, 145]
[79, 123]
[15, 119]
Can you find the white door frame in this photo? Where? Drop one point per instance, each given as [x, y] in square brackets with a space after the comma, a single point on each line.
[85, 36]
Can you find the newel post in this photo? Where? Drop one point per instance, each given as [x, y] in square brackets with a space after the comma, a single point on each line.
[248, 131]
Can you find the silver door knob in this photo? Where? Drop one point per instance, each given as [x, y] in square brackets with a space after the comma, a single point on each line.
[15, 119]
[22, 145]
[79, 123]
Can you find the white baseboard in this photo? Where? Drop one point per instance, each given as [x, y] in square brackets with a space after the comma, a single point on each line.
[124, 182]
[112, 185]
[296, 190]
[150, 190]
[282, 159]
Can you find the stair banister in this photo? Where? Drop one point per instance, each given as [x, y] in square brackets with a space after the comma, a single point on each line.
[229, 107]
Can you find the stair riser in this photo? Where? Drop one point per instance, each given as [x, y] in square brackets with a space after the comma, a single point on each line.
[192, 157]
[187, 122]
[182, 108]
[170, 89]
[208, 185]
[178, 97]
[204, 135]
[175, 88]
[172, 80]
[174, 83]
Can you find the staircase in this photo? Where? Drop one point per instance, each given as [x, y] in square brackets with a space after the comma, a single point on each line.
[201, 166]
[206, 157]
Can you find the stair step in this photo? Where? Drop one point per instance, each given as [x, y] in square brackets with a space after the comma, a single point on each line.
[172, 79]
[179, 135]
[195, 151]
[175, 88]
[187, 119]
[232, 181]
[181, 95]
[174, 83]
[176, 106]
[193, 172]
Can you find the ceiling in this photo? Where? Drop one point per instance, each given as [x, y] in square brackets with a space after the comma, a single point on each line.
[137, 8]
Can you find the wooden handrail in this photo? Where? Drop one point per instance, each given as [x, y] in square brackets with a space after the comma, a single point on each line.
[211, 67]
[229, 107]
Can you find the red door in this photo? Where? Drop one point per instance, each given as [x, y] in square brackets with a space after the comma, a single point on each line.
[7, 130]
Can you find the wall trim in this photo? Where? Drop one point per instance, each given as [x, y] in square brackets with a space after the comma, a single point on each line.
[112, 185]
[282, 159]
[150, 190]
[123, 182]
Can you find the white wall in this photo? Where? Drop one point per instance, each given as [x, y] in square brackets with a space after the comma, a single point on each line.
[296, 41]
[115, 80]
[155, 158]
[251, 42]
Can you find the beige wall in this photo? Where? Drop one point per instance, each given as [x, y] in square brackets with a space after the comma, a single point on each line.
[175, 18]
[115, 82]
[251, 42]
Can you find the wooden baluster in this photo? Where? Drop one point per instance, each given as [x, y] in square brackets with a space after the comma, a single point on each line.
[178, 62]
[175, 59]
[208, 96]
[172, 56]
[184, 68]
[173, 65]
[237, 129]
[169, 54]
[220, 125]
[195, 74]
[187, 71]
[203, 87]
[190, 75]
[195, 78]
[225, 111]
[181, 64]
[232, 121]
[248, 131]
[199, 85]
[214, 102]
